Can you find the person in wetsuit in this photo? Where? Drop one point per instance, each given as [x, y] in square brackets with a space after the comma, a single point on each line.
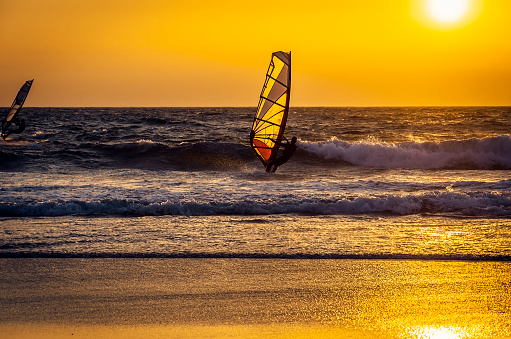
[289, 150]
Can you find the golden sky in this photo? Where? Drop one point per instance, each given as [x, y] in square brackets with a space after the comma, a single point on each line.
[215, 53]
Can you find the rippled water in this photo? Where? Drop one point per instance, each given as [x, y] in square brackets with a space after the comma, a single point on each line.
[411, 182]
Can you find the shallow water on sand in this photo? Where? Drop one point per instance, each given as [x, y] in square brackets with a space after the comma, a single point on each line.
[222, 298]
[275, 236]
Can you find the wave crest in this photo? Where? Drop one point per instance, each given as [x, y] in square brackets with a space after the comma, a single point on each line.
[487, 153]
[462, 204]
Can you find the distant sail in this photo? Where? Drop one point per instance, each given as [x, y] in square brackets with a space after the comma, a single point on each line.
[270, 119]
[16, 105]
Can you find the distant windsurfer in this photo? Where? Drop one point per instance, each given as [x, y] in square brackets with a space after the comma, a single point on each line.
[289, 150]
[12, 123]
[19, 123]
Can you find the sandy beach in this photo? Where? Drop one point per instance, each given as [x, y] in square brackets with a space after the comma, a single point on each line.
[253, 298]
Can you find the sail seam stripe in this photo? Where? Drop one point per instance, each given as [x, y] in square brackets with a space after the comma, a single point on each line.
[274, 102]
[271, 123]
[278, 81]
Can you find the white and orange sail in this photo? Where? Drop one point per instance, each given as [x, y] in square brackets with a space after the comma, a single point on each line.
[270, 119]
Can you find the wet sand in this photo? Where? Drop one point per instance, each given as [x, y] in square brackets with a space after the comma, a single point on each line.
[253, 298]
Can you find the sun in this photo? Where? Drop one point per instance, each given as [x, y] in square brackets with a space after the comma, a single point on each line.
[446, 15]
[448, 11]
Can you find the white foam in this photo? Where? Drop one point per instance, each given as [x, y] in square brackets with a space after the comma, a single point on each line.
[488, 153]
[473, 204]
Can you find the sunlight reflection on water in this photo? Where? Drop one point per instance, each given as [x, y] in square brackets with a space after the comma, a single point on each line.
[278, 298]
[438, 332]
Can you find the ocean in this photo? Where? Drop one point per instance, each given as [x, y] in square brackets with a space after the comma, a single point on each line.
[365, 183]
[132, 223]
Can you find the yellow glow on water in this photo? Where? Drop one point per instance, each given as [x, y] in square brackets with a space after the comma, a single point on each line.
[283, 331]
[433, 332]
[238, 298]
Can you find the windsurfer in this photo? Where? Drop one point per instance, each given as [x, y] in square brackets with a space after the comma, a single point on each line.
[21, 127]
[289, 150]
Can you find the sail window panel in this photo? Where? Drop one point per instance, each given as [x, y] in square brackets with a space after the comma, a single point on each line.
[22, 95]
[266, 135]
[265, 130]
[272, 132]
[264, 109]
[259, 126]
[12, 112]
[270, 85]
[277, 91]
[284, 75]
[268, 88]
[282, 100]
[272, 90]
[265, 139]
[278, 66]
[282, 56]
[274, 114]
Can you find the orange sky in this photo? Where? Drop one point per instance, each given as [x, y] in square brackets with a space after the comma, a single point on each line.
[215, 53]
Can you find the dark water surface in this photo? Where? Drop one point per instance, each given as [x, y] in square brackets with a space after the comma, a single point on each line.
[416, 182]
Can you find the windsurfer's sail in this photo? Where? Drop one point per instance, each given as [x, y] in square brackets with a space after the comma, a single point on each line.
[16, 106]
[270, 119]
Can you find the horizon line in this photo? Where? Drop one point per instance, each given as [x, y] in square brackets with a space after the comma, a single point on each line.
[255, 107]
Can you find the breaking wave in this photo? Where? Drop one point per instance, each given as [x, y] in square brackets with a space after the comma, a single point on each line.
[493, 153]
[488, 153]
[455, 204]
